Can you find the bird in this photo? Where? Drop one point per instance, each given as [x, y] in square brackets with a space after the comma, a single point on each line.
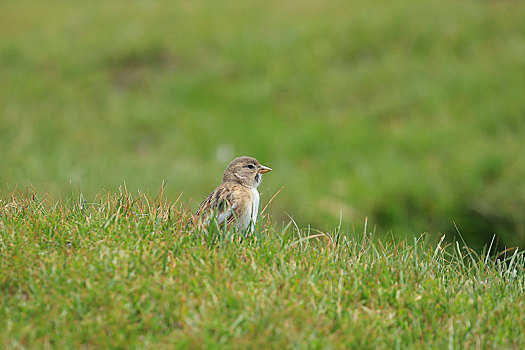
[234, 203]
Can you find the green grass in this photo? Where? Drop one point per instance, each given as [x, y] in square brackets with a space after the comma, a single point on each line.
[409, 113]
[123, 272]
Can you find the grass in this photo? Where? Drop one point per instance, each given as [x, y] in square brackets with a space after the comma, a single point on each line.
[409, 113]
[124, 272]
[406, 113]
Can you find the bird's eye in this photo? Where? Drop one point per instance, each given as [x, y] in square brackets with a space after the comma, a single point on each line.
[250, 166]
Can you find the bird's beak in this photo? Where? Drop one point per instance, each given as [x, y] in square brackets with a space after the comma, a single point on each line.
[264, 169]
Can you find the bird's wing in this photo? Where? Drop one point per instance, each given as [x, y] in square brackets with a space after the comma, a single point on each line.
[222, 205]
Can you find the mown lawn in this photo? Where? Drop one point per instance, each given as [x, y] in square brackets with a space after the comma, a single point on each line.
[124, 271]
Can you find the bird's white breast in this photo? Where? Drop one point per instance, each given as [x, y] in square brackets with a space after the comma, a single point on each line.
[255, 205]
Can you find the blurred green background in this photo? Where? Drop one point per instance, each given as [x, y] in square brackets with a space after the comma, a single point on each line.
[410, 113]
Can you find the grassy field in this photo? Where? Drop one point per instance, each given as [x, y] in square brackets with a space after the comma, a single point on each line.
[123, 272]
[409, 113]
[390, 117]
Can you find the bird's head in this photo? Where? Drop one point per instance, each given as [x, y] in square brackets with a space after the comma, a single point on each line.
[245, 170]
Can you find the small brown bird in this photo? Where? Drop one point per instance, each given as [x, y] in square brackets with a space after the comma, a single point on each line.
[236, 201]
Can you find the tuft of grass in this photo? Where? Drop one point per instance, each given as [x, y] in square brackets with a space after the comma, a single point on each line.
[123, 271]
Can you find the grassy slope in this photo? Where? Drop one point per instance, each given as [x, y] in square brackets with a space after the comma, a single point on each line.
[410, 113]
[122, 272]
